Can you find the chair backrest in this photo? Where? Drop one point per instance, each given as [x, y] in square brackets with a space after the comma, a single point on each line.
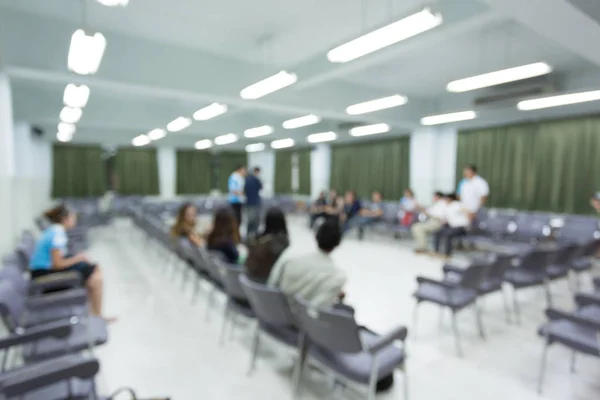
[231, 281]
[14, 274]
[473, 276]
[533, 226]
[329, 328]
[12, 305]
[578, 229]
[501, 264]
[536, 260]
[590, 248]
[495, 224]
[269, 304]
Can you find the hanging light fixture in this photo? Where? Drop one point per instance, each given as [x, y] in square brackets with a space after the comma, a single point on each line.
[86, 52]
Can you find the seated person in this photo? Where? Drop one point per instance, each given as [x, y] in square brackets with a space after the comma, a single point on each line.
[595, 202]
[409, 207]
[317, 209]
[350, 207]
[366, 215]
[313, 277]
[436, 216]
[185, 225]
[266, 248]
[457, 221]
[335, 205]
[224, 236]
[50, 256]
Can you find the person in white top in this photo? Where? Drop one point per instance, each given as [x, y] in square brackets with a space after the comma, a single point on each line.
[473, 191]
[457, 221]
[436, 216]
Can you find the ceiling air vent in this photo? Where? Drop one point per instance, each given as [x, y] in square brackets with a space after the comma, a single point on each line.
[509, 94]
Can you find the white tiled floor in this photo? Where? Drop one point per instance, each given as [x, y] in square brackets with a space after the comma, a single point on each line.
[163, 345]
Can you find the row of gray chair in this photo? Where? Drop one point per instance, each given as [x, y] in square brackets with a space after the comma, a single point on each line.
[329, 338]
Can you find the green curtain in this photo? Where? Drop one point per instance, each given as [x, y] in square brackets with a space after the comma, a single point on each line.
[194, 172]
[77, 171]
[545, 166]
[137, 172]
[283, 172]
[304, 171]
[226, 163]
[366, 167]
[503, 157]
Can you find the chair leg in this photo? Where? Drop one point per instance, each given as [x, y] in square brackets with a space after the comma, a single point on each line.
[573, 359]
[415, 319]
[405, 381]
[543, 367]
[548, 293]
[373, 378]
[299, 368]
[456, 335]
[209, 302]
[479, 322]
[516, 307]
[254, 350]
[226, 314]
[506, 307]
[234, 317]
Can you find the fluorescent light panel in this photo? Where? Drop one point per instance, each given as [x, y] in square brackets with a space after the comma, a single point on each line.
[76, 96]
[226, 139]
[85, 52]
[211, 111]
[70, 115]
[386, 36]
[447, 118]
[63, 137]
[369, 130]
[376, 105]
[269, 85]
[321, 137]
[254, 147]
[556, 101]
[179, 124]
[258, 131]
[299, 122]
[156, 134]
[66, 129]
[282, 143]
[203, 144]
[140, 140]
[114, 3]
[499, 77]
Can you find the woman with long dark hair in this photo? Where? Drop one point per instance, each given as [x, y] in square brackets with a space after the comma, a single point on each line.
[224, 236]
[268, 246]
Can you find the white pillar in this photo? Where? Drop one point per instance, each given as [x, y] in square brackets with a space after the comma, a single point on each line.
[265, 160]
[320, 169]
[166, 159]
[7, 166]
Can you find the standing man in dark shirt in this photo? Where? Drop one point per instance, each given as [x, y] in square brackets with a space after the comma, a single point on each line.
[252, 190]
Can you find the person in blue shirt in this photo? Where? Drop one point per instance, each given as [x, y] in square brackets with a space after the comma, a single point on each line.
[50, 256]
[366, 215]
[235, 187]
[224, 236]
[350, 210]
[252, 188]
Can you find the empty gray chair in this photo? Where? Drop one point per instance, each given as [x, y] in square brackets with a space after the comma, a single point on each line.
[353, 354]
[583, 259]
[237, 301]
[454, 295]
[84, 332]
[273, 314]
[487, 232]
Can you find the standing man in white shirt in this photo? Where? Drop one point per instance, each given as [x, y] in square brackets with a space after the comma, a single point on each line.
[436, 216]
[474, 191]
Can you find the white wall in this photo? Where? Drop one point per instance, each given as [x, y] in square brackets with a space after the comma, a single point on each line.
[320, 169]
[167, 164]
[7, 166]
[265, 160]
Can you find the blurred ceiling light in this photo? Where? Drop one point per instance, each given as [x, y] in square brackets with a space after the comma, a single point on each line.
[499, 77]
[63, 137]
[447, 118]
[386, 36]
[226, 139]
[66, 128]
[113, 3]
[85, 52]
[156, 134]
[179, 124]
[70, 115]
[140, 140]
[556, 101]
[282, 143]
[321, 137]
[254, 147]
[203, 144]
[301, 121]
[76, 96]
[211, 111]
[258, 131]
[269, 85]
[376, 105]
[369, 130]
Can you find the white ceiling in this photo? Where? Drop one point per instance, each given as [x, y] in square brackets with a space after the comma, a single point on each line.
[169, 58]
